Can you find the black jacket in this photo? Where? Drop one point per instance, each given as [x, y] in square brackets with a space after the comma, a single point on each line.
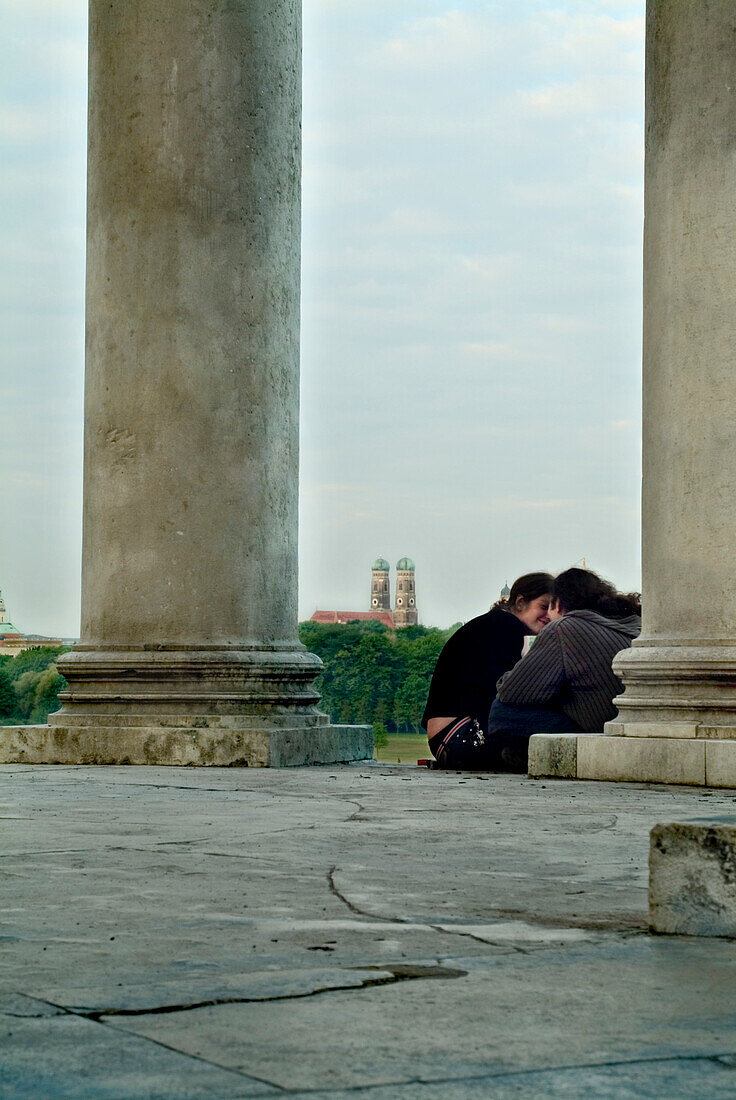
[473, 659]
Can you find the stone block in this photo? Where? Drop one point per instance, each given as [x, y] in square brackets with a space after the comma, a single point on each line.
[720, 763]
[717, 733]
[659, 729]
[553, 755]
[210, 746]
[692, 877]
[641, 759]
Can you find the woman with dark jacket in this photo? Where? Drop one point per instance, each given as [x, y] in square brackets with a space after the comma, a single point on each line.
[464, 681]
[566, 683]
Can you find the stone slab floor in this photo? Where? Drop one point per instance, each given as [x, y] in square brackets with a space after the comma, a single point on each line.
[364, 931]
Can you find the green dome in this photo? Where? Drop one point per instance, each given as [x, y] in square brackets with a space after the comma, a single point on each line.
[405, 563]
[381, 565]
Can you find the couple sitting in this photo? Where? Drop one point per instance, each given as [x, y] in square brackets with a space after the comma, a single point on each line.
[485, 701]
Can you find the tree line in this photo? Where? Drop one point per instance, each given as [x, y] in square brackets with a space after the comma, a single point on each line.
[371, 675]
[29, 685]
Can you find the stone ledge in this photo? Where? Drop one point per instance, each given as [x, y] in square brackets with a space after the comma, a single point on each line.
[692, 877]
[553, 755]
[184, 746]
[692, 761]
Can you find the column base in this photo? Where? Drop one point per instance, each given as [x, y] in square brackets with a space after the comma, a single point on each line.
[676, 684]
[196, 742]
[697, 758]
[217, 706]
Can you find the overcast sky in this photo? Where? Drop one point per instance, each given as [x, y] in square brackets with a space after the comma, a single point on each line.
[471, 297]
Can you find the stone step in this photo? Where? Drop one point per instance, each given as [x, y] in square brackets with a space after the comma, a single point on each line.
[695, 761]
[180, 746]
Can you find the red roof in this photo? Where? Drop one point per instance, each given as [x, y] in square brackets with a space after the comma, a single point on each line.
[342, 617]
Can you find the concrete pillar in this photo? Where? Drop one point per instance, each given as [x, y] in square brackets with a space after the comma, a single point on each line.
[189, 650]
[677, 714]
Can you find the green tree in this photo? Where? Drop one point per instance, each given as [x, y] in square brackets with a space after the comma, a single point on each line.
[420, 657]
[409, 702]
[33, 660]
[8, 700]
[374, 675]
[328, 639]
[380, 735]
[37, 693]
[360, 682]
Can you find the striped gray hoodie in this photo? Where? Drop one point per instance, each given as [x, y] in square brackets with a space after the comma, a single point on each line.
[569, 668]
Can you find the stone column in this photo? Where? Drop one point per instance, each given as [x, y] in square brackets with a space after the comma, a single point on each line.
[189, 650]
[678, 709]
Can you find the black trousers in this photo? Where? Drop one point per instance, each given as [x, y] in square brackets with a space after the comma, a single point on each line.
[463, 744]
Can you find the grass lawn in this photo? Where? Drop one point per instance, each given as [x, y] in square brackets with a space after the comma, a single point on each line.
[403, 748]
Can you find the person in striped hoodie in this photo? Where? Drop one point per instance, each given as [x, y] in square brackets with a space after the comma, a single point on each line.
[566, 683]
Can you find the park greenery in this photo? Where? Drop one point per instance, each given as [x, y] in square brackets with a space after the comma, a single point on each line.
[375, 675]
[371, 675]
[29, 685]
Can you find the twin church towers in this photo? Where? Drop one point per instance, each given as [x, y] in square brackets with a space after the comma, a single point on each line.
[405, 605]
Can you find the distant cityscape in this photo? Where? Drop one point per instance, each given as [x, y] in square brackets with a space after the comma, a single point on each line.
[404, 611]
[12, 641]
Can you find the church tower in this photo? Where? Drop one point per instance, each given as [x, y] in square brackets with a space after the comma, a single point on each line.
[6, 627]
[405, 607]
[380, 586]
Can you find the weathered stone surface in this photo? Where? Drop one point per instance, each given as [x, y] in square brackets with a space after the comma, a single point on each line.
[692, 877]
[694, 760]
[219, 744]
[553, 754]
[683, 668]
[720, 763]
[192, 383]
[658, 729]
[244, 930]
[189, 564]
[641, 759]
[717, 733]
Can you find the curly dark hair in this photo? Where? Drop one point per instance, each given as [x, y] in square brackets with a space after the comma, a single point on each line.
[583, 590]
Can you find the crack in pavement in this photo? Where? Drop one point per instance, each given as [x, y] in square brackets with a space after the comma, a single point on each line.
[390, 975]
[448, 930]
[724, 1060]
[165, 1046]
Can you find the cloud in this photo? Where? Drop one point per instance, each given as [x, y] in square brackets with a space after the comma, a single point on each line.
[602, 58]
[455, 39]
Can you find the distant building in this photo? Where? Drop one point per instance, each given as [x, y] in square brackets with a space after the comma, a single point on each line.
[342, 617]
[405, 608]
[380, 586]
[405, 605]
[505, 592]
[11, 639]
[13, 642]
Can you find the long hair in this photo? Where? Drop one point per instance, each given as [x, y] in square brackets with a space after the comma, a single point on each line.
[529, 587]
[583, 590]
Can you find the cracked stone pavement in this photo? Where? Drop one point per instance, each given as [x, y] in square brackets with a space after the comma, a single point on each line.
[356, 931]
